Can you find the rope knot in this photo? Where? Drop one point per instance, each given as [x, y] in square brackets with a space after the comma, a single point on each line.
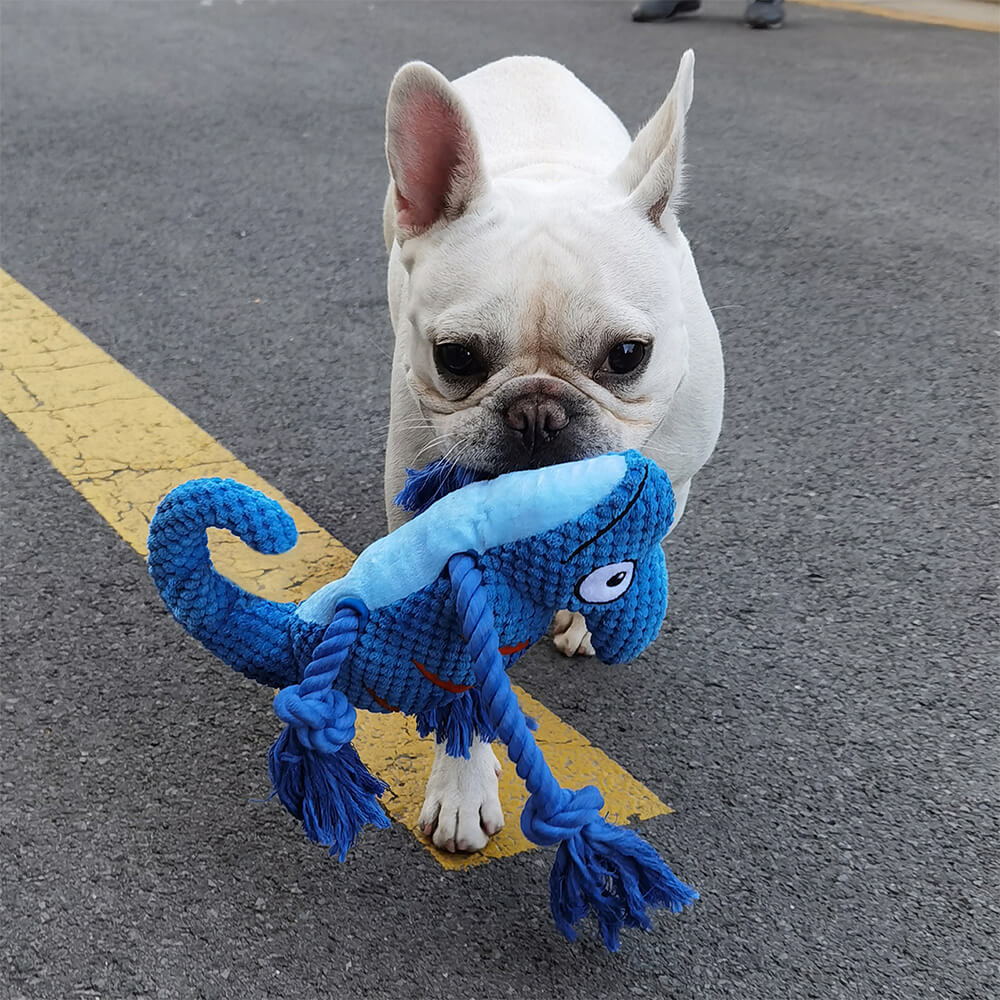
[322, 719]
[547, 821]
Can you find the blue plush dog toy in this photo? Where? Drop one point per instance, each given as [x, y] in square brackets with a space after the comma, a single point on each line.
[426, 622]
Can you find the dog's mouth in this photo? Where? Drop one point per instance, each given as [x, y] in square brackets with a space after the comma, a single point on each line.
[501, 443]
[520, 463]
[527, 423]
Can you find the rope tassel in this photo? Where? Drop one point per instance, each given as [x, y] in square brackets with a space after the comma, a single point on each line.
[600, 869]
[315, 770]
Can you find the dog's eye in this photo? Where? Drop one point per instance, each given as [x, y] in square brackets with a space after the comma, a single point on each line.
[457, 359]
[606, 584]
[625, 357]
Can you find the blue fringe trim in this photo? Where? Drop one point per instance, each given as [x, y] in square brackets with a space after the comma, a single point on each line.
[333, 795]
[611, 873]
[433, 481]
[458, 723]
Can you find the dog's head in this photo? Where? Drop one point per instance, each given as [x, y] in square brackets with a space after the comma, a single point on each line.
[540, 322]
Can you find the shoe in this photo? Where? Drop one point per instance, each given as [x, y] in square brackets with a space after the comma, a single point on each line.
[662, 10]
[765, 13]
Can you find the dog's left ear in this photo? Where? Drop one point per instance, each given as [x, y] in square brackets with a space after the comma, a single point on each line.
[651, 172]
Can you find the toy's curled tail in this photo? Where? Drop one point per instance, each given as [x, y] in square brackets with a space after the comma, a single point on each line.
[249, 633]
[426, 622]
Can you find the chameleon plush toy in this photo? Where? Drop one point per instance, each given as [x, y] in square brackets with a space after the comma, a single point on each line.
[426, 622]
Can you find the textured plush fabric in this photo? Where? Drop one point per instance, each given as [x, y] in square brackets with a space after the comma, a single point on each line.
[248, 633]
[410, 655]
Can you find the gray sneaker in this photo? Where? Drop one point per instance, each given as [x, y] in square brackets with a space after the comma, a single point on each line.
[663, 10]
[765, 13]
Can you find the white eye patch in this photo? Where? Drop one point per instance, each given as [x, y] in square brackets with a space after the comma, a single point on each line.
[606, 584]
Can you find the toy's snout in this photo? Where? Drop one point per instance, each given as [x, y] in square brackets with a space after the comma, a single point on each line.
[623, 604]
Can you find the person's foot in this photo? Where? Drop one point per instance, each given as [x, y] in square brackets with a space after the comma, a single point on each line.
[662, 10]
[765, 13]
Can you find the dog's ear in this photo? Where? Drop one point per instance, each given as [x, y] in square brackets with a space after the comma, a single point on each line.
[651, 172]
[432, 149]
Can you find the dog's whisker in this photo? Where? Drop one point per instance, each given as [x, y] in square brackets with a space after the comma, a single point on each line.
[414, 424]
[457, 446]
[433, 445]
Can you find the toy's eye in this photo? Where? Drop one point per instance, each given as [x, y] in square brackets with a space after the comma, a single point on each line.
[607, 584]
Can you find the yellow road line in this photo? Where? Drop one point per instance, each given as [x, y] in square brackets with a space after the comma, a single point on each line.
[895, 13]
[123, 446]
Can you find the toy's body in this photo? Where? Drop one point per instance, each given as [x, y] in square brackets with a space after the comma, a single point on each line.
[410, 656]
[426, 622]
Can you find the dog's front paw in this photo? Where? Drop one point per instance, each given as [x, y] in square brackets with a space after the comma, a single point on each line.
[462, 803]
[570, 635]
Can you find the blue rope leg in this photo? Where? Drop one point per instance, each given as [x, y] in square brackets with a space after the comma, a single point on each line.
[600, 869]
[314, 768]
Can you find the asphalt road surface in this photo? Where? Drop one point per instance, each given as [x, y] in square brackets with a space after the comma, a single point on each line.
[198, 188]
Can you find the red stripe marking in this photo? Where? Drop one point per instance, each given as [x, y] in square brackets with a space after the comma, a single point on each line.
[511, 650]
[380, 701]
[434, 679]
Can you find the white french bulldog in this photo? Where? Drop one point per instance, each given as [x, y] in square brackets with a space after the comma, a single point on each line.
[546, 308]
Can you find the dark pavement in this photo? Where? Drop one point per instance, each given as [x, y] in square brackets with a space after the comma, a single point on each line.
[198, 188]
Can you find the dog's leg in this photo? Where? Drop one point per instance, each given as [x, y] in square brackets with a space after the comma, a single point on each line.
[570, 635]
[462, 803]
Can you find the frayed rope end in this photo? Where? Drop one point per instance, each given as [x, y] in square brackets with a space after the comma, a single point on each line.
[334, 796]
[611, 873]
[433, 481]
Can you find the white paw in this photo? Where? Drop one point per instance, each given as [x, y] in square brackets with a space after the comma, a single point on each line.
[462, 804]
[571, 637]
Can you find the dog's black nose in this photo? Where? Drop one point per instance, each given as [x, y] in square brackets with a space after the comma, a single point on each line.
[536, 418]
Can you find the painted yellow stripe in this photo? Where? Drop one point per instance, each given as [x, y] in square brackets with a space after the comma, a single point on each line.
[910, 15]
[123, 446]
